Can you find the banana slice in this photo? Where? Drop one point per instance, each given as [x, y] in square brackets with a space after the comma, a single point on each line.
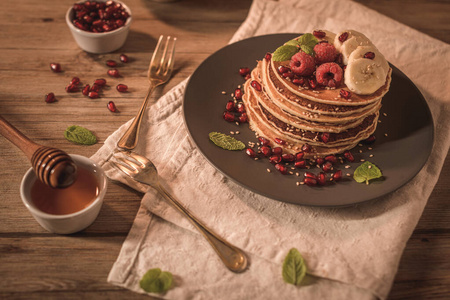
[329, 36]
[379, 59]
[353, 40]
[364, 76]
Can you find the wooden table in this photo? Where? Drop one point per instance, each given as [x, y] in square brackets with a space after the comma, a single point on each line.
[37, 264]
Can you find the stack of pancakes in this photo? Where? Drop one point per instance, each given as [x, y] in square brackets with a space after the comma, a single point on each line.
[295, 116]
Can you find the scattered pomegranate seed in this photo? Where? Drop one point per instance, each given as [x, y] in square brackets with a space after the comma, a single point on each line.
[93, 95]
[111, 106]
[282, 168]
[241, 108]
[229, 117]
[111, 63]
[244, 71]
[312, 83]
[310, 175]
[75, 80]
[343, 37]
[50, 98]
[238, 94]
[55, 67]
[124, 58]
[327, 166]
[369, 55]
[250, 152]
[287, 157]
[268, 56]
[283, 69]
[370, 140]
[100, 82]
[255, 84]
[277, 151]
[275, 159]
[306, 148]
[298, 81]
[301, 164]
[325, 137]
[86, 90]
[310, 181]
[280, 141]
[122, 88]
[71, 88]
[264, 141]
[289, 75]
[230, 106]
[337, 176]
[113, 73]
[247, 77]
[331, 158]
[320, 161]
[349, 156]
[319, 34]
[266, 151]
[299, 156]
[243, 118]
[95, 88]
[345, 94]
[321, 178]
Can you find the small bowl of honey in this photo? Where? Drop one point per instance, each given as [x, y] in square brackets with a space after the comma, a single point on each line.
[68, 210]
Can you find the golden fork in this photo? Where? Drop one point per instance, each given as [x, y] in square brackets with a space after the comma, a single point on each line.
[144, 171]
[159, 72]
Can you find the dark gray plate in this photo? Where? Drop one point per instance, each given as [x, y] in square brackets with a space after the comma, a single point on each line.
[400, 155]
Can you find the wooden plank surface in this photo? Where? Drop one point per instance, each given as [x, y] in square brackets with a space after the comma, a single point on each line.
[37, 265]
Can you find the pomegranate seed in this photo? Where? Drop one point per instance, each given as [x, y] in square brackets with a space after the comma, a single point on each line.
[243, 118]
[111, 106]
[275, 159]
[345, 94]
[280, 141]
[247, 77]
[289, 75]
[122, 88]
[312, 83]
[369, 55]
[113, 73]
[310, 175]
[331, 158]
[264, 141]
[299, 156]
[327, 166]
[250, 152]
[266, 151]
[100, 82]
[325, 137]
[230, 106]
[50, 98]
[301, 164]
[86, 90]
[93, 95]
[337, 176]
[75, 81]
[319, 34]
[321, 178]
[349, 156]
[241, 108]
[111, 63]
[370, 140]
[244, 71]
[277, 151]
[310, 181]
[238, 94]
[282, 168]
[255, 84]
[71, 88]
[268, 56]
[283, 69]
[320, 161]
[80, 25]
[306, 148]
[229, 117]
[343, 37]
[95, 88]
[287, 157]
[298, 81]
[124, 58]
[55, 67]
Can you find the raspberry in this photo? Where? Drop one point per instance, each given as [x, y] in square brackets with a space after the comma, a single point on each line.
[302, 64]
[329, 74]
[325, 52]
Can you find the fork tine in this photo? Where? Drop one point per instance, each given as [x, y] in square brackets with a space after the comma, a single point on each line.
[122, 168]
[141, 159]
[132, 166]
[170, 60]
[156, 55]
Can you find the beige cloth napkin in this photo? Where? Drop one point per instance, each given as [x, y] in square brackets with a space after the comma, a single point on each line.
[351, 253]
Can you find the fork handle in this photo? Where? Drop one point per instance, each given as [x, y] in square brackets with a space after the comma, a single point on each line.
[130, 138]
[233, 257]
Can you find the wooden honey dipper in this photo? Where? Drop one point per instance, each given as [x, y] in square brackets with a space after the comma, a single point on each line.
[52, 166]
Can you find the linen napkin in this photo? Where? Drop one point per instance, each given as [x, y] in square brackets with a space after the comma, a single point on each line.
[351, 253]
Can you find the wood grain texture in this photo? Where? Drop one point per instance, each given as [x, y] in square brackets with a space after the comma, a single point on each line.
[35, 264]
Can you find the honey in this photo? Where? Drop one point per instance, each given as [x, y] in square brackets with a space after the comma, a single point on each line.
[69, 200]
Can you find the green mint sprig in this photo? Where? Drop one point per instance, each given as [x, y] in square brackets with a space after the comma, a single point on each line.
[156, 281]
[366, 172]
[226, 142]
[80, 135]
[294, 268]
[304, 43]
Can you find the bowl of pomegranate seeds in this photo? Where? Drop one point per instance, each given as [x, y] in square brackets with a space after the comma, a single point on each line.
[99, 26]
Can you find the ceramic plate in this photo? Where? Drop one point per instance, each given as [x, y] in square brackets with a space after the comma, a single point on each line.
[403, 145]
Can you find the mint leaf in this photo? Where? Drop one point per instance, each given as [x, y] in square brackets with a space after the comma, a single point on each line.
[226, 142]
[293, 42]
[308, 40]
[284, 52]
[80, 135]
[156, 281]
[366, 172]
[294, 268]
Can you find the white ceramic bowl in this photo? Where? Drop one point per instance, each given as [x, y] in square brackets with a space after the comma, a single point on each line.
[103, 42]
[70, 223]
